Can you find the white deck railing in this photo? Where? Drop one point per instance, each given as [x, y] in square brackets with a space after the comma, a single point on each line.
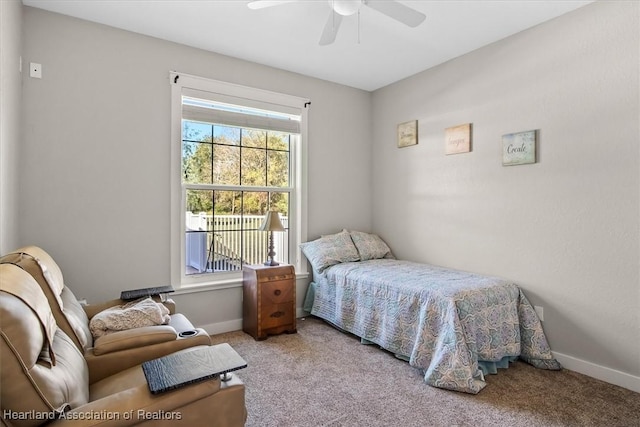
[217, 243]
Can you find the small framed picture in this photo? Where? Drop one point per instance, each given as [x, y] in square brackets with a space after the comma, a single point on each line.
[407, 133]
[457, 139]
[519, 148]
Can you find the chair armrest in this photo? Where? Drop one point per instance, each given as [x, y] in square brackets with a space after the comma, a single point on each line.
[104, 365]
[93, 309]
[133, 338]
[129, 407]
[169, 303]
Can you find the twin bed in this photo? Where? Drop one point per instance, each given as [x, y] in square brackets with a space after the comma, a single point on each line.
[454, 325]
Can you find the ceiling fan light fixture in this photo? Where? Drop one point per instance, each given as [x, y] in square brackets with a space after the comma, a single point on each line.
[345, 7]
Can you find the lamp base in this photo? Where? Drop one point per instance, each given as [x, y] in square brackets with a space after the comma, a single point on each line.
[271, 261]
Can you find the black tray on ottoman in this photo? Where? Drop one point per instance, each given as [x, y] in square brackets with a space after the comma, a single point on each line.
[188, 367]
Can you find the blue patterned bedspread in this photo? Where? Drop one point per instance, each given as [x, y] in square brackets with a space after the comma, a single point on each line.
[444, 321]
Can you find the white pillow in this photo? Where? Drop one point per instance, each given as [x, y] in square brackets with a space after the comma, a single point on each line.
[370, 246]
[330, 250]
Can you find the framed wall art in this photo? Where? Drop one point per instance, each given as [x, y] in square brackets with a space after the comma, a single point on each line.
[519, 148]
[457, 139]
[408, 133]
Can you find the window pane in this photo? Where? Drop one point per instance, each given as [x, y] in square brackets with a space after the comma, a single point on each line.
[198, 225]
[254, 138]
[280, 203]
[255, 247]
[196, 131]
[277, 168]
[222, 231]
[278, 141]
[227, 226]
[254, 167]
[196, 162]
[227, 203]
[226, 135]
[255, 203]
[199, 202]
[226, 165]
[196, 250]
[188, 151]
[226, 248]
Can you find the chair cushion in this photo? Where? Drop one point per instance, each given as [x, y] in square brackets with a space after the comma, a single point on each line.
[76, 319]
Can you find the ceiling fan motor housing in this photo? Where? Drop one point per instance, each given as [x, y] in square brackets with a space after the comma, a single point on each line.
[345, 7]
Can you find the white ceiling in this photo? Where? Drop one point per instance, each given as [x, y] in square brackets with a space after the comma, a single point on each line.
[286, 36]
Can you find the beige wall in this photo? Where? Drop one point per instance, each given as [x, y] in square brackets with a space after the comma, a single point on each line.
[566, 229]
[10, 119]
[95, 188]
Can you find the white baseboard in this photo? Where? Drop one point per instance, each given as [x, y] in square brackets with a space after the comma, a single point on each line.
[222, 327]
[603, 373]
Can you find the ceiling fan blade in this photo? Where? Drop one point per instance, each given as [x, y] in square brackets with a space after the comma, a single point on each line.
[397, 11]
[331, 29]
[261, 4]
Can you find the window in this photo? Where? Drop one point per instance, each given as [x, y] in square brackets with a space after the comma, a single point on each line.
[237, 153]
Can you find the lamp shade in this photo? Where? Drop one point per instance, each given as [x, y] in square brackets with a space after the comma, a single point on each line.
[272, 222]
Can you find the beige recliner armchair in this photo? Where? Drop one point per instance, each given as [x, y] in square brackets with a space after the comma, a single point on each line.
[44, 378]
[116, 351]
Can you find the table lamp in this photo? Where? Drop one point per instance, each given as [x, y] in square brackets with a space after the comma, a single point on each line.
[271, 223]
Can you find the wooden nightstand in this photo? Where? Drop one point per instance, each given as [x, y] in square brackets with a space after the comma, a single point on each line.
[269, 300]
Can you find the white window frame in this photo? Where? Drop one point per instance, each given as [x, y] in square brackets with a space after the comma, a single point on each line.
[181, 83]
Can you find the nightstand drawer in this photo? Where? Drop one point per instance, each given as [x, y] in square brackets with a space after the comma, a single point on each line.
[276, 315]
[268, 276]
[277, 292]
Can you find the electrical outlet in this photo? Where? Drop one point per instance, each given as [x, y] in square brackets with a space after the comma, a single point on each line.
[35, 70]
[539, 311]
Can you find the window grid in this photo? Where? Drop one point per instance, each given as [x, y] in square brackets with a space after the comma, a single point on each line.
[221, 257]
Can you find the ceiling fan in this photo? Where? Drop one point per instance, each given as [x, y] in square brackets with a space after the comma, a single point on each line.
[341, 8]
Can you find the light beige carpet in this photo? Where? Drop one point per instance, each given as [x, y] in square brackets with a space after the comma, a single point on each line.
[323, 377]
